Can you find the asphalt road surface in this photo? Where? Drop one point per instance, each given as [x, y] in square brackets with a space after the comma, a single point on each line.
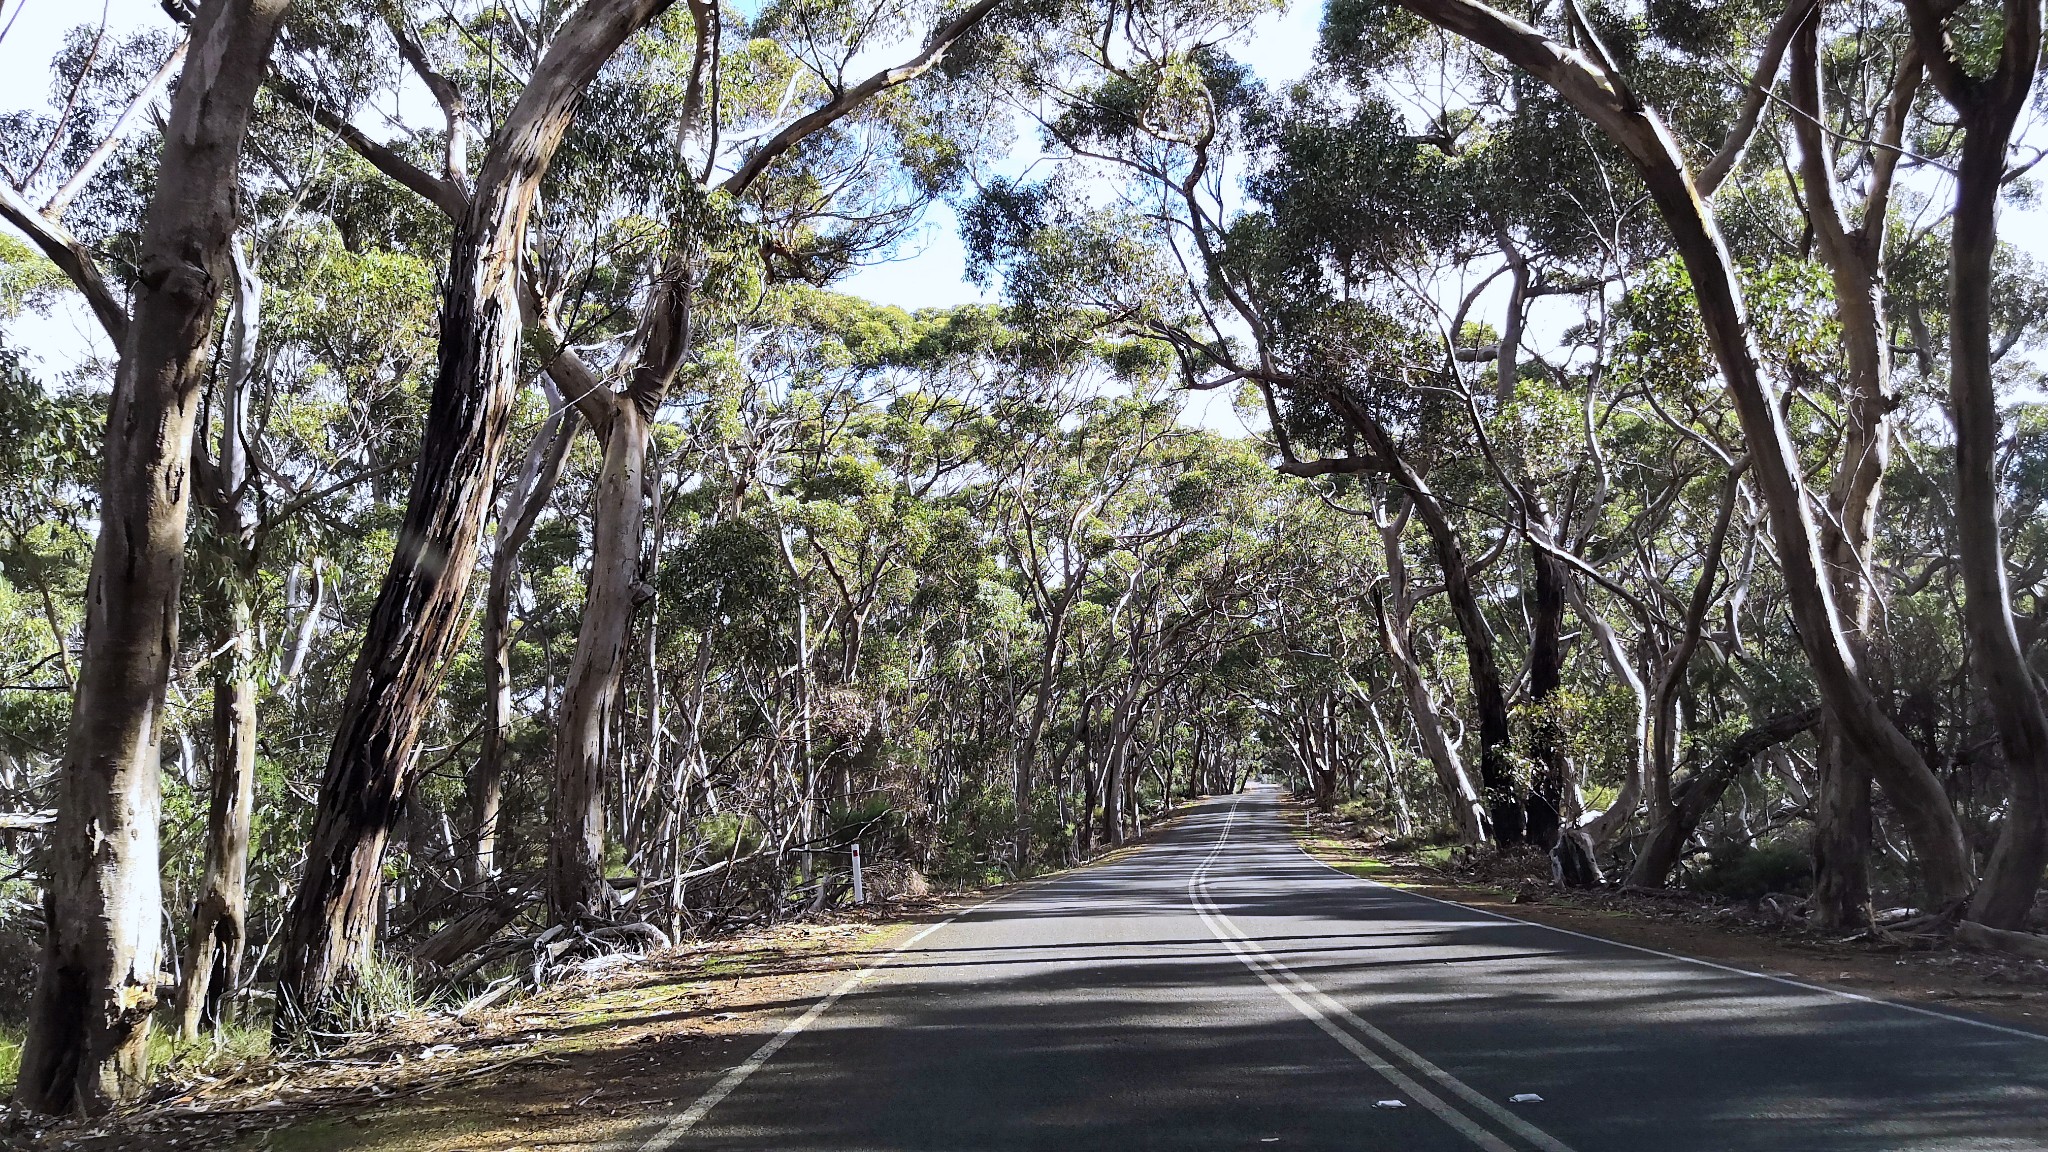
[1220, 989]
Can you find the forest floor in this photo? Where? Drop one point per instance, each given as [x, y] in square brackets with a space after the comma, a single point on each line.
[1753, 936]
[578, 1064]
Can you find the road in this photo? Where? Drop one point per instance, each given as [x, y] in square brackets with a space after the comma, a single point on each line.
[1220, 989]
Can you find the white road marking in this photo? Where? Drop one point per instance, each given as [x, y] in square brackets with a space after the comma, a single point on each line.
[1323, 1012]
[679, 1126]
[1730, 969]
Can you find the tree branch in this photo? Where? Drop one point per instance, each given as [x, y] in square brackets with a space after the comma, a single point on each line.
[62, 198]
[832, 111]
[443, 194]
[1736, 142]
[67, 253]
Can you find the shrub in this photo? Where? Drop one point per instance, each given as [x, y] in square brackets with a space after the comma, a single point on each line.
[1743, 872]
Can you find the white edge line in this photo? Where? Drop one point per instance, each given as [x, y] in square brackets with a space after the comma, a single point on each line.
[679, 1126]
[1729, 968]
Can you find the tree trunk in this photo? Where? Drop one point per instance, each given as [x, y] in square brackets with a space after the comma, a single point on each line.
[576, 843]
[88, 1027]
[1489, 692]
[1041, 711]
[1665, 721]
[1841, 836]
[1989, 109]
[1598, 92]
[1544, 806]
[214, 945]
[218, 931]
[1603, 828]
[413, 628]
[1404, 819]
[517, 513]
[1113, 776]
[1468, 807]
[1854, 257]
[1697, 794]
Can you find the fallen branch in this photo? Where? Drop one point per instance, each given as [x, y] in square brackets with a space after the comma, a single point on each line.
[2029, 944]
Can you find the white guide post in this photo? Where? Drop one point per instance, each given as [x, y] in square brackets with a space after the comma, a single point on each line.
[860, 892]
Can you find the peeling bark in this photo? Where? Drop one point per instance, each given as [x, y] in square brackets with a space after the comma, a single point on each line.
[417, 619]
[88, 1028]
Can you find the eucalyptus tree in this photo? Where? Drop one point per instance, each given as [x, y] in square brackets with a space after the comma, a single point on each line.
[707, 105]
[1171, 564]
[1589, 79]
[87, 1042]
[1988, 102]
[1070, 464]
[418, 616]
[1394, 606]
[289, 452]
[1246, 300]
[792, 206]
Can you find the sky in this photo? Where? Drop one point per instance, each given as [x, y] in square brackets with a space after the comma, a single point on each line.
[929, 270]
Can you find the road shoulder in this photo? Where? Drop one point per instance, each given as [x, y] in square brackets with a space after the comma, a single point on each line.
[2007, 990]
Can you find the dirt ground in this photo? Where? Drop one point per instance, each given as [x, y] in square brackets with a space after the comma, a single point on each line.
[577, 1065]
[1742, 935]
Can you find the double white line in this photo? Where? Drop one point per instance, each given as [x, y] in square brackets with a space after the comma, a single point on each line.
[1400, 1065]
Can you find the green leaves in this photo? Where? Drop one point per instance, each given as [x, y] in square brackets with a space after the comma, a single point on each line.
[28, 281]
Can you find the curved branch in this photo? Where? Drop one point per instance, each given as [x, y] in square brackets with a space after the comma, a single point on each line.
[443, 194]
[843, 103]
[1743, 130]
[69, 254]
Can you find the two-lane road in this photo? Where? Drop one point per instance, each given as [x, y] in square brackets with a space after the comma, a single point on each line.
[1221, 989]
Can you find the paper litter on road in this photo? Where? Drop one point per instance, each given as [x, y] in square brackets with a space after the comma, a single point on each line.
[1525, 1098]
[1391, 1104]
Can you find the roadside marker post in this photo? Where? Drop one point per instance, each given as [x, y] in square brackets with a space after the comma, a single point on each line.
[860, 892]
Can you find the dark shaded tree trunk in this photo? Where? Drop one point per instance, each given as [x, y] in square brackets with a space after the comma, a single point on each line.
[1041, 712]
[1544, 807]
[1489, 692]
[413, 629]
[88, 1029]
[1841, 835]
[1989, 109]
